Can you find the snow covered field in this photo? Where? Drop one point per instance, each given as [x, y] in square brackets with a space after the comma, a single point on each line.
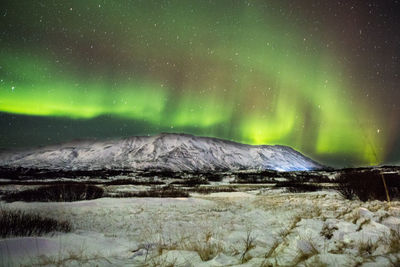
[268, 228]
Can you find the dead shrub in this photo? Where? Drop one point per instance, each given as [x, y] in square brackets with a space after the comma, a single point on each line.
[57, 193]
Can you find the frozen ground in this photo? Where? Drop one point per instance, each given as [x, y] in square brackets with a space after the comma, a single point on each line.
[256, 228]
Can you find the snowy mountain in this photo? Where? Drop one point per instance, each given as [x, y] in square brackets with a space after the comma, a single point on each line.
[164, 152]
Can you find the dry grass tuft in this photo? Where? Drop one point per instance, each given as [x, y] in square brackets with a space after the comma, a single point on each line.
[366, 248]
[19, 223]
[303, 255]
[327, 230]
[207, 248]
[248, 245]
[392, 241]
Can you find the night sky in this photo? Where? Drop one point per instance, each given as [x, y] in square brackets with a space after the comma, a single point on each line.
[320, 76]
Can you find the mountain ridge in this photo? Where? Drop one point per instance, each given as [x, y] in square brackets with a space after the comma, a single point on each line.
[165, 152]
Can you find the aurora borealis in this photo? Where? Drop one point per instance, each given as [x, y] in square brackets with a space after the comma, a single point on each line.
[319, 76]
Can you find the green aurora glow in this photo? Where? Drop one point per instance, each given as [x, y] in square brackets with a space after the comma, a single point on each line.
[239, 71]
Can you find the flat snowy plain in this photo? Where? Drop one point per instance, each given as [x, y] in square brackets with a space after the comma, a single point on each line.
[253, 228]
